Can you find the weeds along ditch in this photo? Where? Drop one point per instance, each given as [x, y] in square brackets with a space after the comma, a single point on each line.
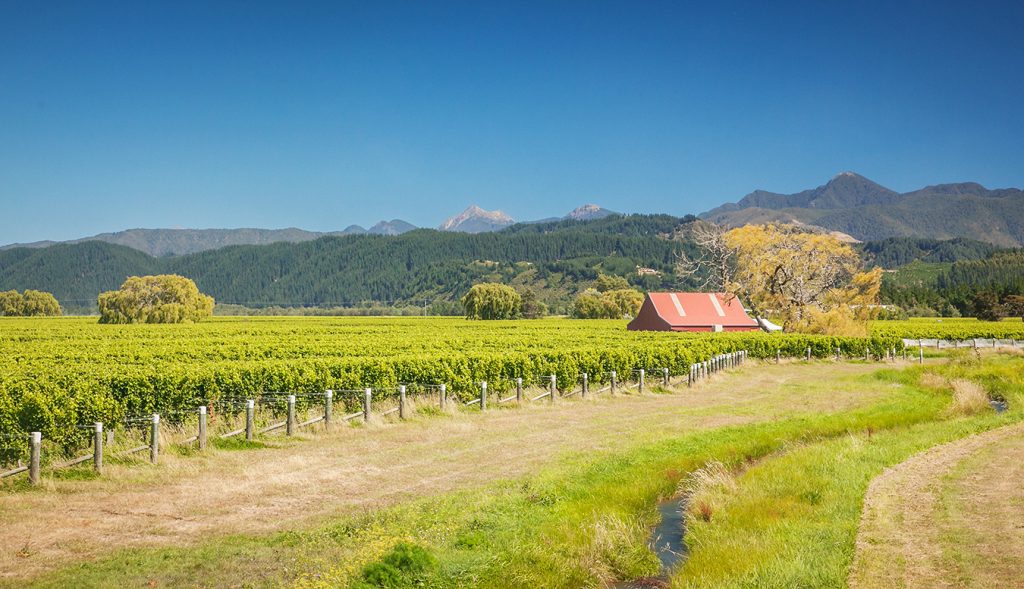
[58, 376]
[772, 504]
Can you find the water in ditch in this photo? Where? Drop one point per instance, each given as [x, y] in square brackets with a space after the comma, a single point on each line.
[668, 543]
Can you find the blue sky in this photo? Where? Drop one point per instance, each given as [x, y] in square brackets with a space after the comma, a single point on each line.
[319, 115]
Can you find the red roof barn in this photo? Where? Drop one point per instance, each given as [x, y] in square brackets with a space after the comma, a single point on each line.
[691, 311]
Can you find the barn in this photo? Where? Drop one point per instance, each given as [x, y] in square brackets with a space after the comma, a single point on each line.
[692, 311]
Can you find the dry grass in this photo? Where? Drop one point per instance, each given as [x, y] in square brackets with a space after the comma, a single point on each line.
[704, 487]
[317, 475]
[969, 397]
[618, 547]
[903, 540]
[932, 380]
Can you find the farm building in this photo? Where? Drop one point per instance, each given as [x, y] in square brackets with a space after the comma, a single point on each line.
[692, 311]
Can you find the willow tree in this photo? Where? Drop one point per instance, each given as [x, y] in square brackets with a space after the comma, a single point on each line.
[492, 301]
[31, 303]
[167, 298]
[806, 280]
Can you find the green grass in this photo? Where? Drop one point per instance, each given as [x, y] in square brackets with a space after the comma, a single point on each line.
[579, 523]
[791, 521]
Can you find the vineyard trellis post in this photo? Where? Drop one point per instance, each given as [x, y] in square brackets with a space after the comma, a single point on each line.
[367, 400]
[401, 402]
[290, 422]
[778, 355]
[328, 408]
[250, 418]
[36, 448]
[202, 427]
[97, 448]
[664, 372]
[154, 440]
[443, 394]
[586, 386]
[640, 383]
[483, 395]
[519, 389]
[613, 383]
[552, 389]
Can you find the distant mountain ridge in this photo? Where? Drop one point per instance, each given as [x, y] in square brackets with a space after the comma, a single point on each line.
[176, 242]
[852, 204]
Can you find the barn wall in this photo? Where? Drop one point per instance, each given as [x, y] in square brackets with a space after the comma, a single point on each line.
[648, 319]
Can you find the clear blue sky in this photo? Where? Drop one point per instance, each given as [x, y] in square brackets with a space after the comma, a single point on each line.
[319, 115]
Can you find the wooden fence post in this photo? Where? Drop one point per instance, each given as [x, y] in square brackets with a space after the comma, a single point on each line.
[328, 408]
[367, 400]
[519, 389]
[483, 396]
[250, 418]
[154, 440]
[640, 383]
[552, 389]
[402, 411]
[202, 427]
[289, 427]
[586, 387]
[613, 382]
[97, 448]
[36, 443]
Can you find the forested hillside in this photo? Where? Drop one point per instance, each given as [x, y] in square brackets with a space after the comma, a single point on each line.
[900, 251]
[418, 267]
[428, 268]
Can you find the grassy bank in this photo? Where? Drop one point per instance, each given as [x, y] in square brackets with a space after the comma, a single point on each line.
[792, 520]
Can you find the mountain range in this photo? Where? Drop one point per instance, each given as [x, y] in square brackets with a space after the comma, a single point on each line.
[176, 242]
[852, 204]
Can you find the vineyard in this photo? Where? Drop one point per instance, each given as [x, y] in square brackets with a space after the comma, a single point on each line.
[950, 329]
[57, 376]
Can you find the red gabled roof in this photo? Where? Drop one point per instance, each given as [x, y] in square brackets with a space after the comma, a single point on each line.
[700, 309]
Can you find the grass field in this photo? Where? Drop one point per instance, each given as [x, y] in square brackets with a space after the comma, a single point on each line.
[545, 496]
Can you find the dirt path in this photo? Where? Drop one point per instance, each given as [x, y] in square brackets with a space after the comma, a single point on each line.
[952, 516]
[190, 499]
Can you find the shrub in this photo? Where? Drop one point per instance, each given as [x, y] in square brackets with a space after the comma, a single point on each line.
[406, 564]
[612, 304]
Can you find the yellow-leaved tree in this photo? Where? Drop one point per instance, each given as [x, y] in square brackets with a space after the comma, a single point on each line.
[806, 280]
